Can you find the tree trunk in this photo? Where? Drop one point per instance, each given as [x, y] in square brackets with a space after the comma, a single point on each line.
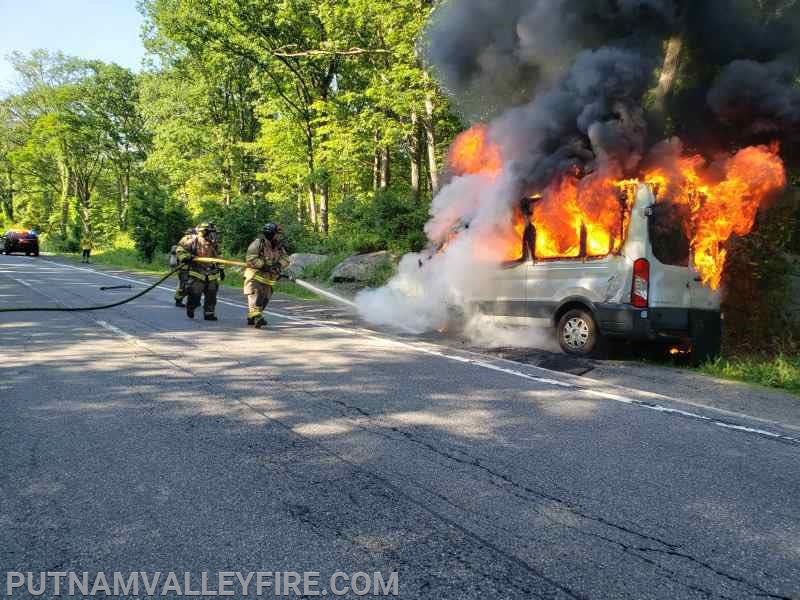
[66, 183]
[430, 138]
[227, 184]
[8, 195]
[384, 168]
[312, 204]
[323, 207]
[83, 196]
[312, 188]
[415, 156]
[124, 185]
[669, 71]
[376, 164]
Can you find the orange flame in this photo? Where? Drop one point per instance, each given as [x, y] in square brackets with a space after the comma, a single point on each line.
[577, 217]
[588, 216]
[723, 200]
[474, 153]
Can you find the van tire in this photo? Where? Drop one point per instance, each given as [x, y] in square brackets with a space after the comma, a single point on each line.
[578, 334]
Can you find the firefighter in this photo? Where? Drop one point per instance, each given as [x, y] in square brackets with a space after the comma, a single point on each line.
[266, 260]
[86, 247]
[203, 278]
[183, 273]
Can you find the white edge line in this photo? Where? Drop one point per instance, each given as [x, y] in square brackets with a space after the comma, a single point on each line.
[114, 329]
[21, 281]
[478, 363]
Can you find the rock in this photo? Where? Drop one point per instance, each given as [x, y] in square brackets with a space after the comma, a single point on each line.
[299, 262]
[359, 267]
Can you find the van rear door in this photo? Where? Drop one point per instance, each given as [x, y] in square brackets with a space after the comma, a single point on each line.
[674, 281]
[670, 274]
[701, 296]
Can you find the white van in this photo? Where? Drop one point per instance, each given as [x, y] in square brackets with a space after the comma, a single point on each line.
[648, 291]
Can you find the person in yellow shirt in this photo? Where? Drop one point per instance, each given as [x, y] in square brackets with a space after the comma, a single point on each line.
[86, 247]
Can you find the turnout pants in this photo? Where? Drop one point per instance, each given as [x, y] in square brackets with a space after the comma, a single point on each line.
[183, 283]
[198, 288]
[258, 295]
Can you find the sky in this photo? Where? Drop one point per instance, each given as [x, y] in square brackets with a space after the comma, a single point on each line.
[107, 30]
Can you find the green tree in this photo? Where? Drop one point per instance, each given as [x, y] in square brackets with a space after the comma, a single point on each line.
[9, 142]
[157, 220]
[313, 63]
[114, 98]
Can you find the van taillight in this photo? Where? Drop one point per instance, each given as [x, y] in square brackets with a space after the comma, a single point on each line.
[641, 283]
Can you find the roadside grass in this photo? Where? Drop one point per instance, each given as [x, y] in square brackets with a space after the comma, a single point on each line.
[781, 372]
[124, 258]
[130, 260]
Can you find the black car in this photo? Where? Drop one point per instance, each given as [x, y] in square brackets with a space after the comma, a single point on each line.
[16, 240]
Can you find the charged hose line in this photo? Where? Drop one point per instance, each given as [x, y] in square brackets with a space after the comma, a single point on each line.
[223, 261]
[87, 308]
[304, 284]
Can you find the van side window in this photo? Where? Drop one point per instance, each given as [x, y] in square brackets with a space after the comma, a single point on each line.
[668, 239]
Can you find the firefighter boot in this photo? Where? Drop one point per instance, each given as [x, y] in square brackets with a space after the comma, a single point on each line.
[210, 317]
[253, 314]
[190, 312]
[179, 303]
[259, 322]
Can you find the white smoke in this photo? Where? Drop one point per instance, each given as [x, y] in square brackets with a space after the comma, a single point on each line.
[510, 332]
[432, 286]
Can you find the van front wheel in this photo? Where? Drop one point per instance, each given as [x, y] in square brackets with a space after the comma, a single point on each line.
[577, 333]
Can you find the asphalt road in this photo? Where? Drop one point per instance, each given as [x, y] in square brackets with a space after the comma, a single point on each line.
[135, 439]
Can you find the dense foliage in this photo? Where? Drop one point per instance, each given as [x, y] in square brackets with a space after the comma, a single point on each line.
[317, 114]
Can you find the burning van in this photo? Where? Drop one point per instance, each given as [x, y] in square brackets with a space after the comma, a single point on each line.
[641, 188]
[636, 281]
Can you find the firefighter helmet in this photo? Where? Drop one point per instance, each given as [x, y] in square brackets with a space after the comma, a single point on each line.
[270, 230]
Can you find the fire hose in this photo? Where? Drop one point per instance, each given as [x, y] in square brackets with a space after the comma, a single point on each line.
[223, 261]
[300, 282]
[87, 308]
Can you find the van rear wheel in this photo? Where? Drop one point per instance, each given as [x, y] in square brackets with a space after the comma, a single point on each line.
[577, 333]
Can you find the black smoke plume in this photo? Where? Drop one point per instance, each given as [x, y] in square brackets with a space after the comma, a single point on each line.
[567, 82]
